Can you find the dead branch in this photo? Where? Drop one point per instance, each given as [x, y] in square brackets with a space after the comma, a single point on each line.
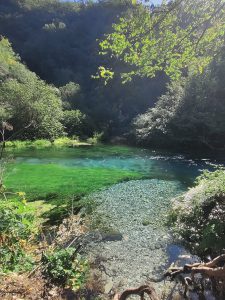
[213, 270]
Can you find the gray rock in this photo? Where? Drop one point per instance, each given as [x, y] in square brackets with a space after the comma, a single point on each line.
[108, 287]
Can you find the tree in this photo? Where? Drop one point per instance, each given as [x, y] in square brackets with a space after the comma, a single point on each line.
[26, 101]
[192, 112]
[74, 122]
[181, 36]
[70, 94]
[69, 58]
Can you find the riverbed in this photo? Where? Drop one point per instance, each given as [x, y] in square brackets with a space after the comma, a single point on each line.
[135, 246]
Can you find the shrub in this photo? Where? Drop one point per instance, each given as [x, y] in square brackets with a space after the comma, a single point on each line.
[31, 104]
[65, 267]
[40, 144]
[97, 137]
[74, 122]
[18, 144]
[63, 142]
[16, 227]
[199, 215]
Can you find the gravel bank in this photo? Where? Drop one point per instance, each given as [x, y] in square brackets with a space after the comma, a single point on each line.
[137, 248]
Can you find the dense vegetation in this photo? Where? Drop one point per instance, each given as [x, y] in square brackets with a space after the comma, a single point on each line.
[199, 215]
[59, 42]
[91, 70]
[183, 39]
[27, 102]
[192, 112]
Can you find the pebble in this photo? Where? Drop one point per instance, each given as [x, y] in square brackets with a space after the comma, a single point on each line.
[142, 252]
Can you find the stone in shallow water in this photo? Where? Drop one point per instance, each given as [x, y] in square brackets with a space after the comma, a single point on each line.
[142, 253]
[110, 237]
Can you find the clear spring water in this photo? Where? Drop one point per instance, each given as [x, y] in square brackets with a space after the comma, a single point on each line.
[152, 164]
[135, 210]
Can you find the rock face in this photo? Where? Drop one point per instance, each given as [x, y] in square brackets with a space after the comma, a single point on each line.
[142, 247]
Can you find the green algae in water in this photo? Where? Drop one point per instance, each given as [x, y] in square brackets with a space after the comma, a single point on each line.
[62, 176]
[41, 180]
[80, 171]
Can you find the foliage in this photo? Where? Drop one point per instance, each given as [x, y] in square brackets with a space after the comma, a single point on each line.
[174, 37]
[214, 182]
[63, 142]
[70, 94]
[65, 267]
[16, 227]
[69, 57]
[43, 143]
[154, 127]
[28, 102]
[74, 122]
[17, 144]
[104, 73]
[97, 138]
[191, 112]
[199, 216]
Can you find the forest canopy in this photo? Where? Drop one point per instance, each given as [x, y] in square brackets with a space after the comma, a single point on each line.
[163, 66]
[59, 41]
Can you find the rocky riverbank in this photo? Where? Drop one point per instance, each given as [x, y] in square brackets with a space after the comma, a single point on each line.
[134, 246]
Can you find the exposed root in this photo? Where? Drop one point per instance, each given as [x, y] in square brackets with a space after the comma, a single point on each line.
[140, 291]
[213, 271]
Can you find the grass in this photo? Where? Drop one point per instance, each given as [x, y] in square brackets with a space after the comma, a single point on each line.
[46, 180]
[43, 143]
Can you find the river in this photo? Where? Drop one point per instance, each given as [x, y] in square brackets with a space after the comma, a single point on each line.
[136, 247]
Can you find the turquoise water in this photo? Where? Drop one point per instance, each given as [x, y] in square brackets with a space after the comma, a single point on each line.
[151, 164]
[136, 210]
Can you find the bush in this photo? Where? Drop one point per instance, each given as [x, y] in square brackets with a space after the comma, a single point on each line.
[97, 137]
[18, 144]
[199, 215]
[65, 267]
[190, 115]
[34, 108]
[63, 142]
[16, 227]
[40, 144]
[43, 143]
[74, 122]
